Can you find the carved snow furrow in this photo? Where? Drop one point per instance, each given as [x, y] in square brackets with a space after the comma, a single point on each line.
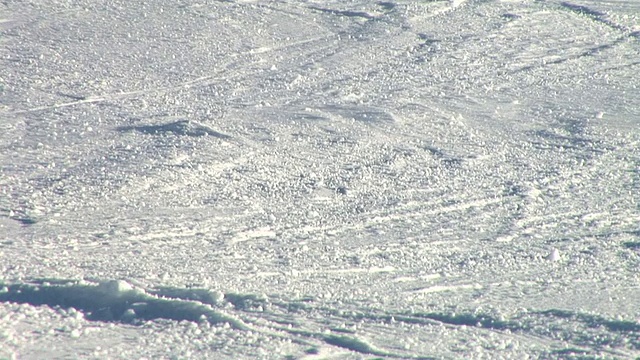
[311, 322]
[595, 15]
[524, 324]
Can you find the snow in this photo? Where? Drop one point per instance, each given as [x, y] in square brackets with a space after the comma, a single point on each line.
[554, 255]
[319, 179]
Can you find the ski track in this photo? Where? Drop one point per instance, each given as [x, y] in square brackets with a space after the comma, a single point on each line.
[272, 317]
[319, 179]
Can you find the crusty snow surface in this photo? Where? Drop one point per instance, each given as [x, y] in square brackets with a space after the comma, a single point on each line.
[319, 179]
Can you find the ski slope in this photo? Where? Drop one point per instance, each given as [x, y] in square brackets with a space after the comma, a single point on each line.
[319, 179]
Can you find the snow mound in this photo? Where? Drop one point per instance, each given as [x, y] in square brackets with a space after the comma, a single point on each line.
[180, 128]
[119, 301]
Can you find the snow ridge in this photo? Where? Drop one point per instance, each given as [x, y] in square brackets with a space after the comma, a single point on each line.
[120, 301]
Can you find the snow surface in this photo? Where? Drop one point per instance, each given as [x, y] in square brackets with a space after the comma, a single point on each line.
[319, 179]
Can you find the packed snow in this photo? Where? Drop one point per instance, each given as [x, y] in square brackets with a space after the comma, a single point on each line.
[319, 179]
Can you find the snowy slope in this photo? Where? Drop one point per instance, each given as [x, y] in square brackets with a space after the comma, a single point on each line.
[319, 179]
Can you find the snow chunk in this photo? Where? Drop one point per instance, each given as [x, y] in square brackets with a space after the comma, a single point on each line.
[554, 255]
[115, 287]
